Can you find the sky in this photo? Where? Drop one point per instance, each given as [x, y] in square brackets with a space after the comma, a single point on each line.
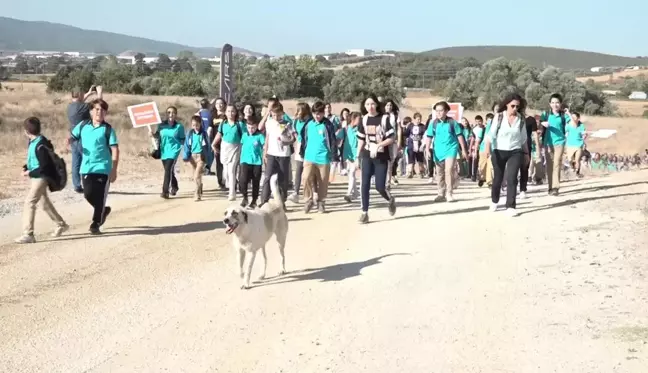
[315, 27]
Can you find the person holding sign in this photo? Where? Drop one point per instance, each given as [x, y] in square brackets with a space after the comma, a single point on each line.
[229, 135]
[446, 137]
[171, 135]
[100, 161]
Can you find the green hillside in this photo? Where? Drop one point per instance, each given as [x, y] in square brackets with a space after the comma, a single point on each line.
[18, 35]
[540, 56]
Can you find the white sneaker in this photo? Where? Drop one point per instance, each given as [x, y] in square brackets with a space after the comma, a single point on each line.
[294, 198]
[493, 207]
[60, 230]
[343, 173]
[512, 212]
[523, 195]
[231, 198]
[431, 180]
[25, 238]
[450, 198]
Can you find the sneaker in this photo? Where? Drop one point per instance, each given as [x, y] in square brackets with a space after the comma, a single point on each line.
[450, 198]
[392, 206]
[174, 191]
[422, 176]
[94, 229]
[244, 202]
[343, 172]
[493, 207]
[321, 208]
[60, 230]
[512, 212]
[394, 181]
[231, 198]
[364, 218]
[308, 206]
[523, 195]
[294, 198]
[252, 205]
[431, 180]
[164, 195]
[555, 192]
[25, 238]
[79, 190]
[107, 211]
[197, 198]
[440, 199]
[347, 198]
[480, 183]
[410, 176]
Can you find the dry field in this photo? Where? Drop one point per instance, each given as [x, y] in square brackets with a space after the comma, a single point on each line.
[31, 99]
[609, 78]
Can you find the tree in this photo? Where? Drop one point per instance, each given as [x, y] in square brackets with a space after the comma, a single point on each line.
[164, 63]
[21, 65]
[188, 55]
[203, 67]
[181, 65]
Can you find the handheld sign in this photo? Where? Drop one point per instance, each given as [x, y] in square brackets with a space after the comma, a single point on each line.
[144, 115]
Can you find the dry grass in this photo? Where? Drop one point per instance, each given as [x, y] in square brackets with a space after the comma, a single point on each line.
[631, 108]
[614, 77]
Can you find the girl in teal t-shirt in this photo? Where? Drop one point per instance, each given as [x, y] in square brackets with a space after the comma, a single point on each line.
[252, 144]
[171, 136]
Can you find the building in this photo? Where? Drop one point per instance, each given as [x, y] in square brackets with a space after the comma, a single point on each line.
[596, 69]
[638, 95]
[360, 52]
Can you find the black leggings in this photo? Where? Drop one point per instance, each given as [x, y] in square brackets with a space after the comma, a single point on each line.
[95, 191]
[169, 175]
[524, 175]
[394, 164]
[373, 167]
[511, 160]
[281, 167]
[247, 173]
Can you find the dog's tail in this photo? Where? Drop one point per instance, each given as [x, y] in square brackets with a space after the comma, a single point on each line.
[276, 192]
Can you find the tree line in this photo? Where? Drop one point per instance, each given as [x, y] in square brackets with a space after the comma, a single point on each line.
[467, 80]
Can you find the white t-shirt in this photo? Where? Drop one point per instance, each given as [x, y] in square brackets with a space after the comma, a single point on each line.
[276, 131]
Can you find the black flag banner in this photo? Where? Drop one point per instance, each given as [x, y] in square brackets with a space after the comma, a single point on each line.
[227, 74]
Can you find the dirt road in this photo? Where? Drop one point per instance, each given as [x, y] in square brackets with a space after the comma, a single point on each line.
[440, 288]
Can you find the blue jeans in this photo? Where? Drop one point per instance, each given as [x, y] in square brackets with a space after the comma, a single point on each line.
[77, 156]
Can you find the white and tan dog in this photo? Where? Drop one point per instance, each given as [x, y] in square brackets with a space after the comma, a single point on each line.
[252, 229]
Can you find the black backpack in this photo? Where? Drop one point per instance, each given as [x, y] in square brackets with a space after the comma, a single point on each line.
[58, 180]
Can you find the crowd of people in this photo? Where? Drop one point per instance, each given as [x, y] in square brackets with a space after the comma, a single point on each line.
[305, 152]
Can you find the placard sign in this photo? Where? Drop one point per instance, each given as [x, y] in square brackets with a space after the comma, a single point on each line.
[144, 115]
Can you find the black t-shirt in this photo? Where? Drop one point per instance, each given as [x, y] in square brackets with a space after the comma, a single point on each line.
[531, 128]
[369, 136]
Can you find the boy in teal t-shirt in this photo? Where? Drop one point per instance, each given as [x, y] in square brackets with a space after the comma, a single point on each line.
[252, 144]
[196, 150]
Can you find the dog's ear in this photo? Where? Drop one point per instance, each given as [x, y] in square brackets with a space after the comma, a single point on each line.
[245, 216]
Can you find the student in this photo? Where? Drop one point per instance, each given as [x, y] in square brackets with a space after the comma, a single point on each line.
[205, 114]
[230, 133]
[249, 114]
[446, 137]
[395, 152]
[41, 170]
[376, 135]
[340, 135]
[531, 127]
[219, 116]
[414, 135]
[252, 144]
[508, 137]
[77, 112]
[302, 116]
[429, 160]
[478, 133]
[555, 122]
[350, 150]
[318, 148]
[280, 136]
[485, 165]
[576, 136]
[100, 161]
[172, 137]
[464, 163]
[196, 149]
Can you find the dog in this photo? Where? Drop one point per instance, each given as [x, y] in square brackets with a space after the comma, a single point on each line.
[252, 229]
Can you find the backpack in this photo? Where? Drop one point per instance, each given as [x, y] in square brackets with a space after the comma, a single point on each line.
[189, 137]
[106, 134]
[58, 182]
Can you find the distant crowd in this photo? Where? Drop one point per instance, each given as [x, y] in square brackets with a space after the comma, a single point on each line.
[504, 149]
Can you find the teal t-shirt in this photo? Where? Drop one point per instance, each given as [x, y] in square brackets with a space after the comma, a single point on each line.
[446, 144]
[232, 132]
[299, 125]
[575, 135]
[252, 148]
[97, 155]
[32, 159]
[482, 146]
[172, 138]
[317, 146]
[350, 147]
[554, 135]
[198, 142]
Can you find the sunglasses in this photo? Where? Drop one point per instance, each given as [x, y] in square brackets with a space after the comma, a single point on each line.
[514, 106]
[171, 112]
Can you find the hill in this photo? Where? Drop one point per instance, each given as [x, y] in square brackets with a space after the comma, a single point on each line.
[18, 35]
[540, 56]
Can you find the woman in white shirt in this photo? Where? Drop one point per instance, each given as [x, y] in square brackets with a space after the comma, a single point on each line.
[509, 138]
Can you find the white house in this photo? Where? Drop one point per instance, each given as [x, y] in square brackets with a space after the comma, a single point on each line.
[638, 95]
[360, 52]
[596, 69]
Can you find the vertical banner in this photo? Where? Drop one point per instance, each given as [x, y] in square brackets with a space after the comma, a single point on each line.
[227, 74]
